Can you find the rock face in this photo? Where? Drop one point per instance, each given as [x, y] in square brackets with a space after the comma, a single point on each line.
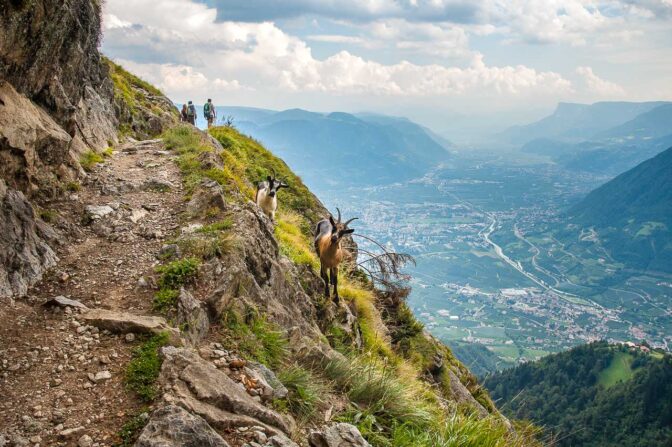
[172, 426]
[24, 248]
[193, 316]
[200, 387]
[49, 52]
[338, 435]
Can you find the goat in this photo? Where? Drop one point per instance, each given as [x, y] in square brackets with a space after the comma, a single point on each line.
[265, 198]
[328, 235]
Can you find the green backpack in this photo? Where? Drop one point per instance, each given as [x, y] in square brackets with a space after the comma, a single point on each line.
[206, 110]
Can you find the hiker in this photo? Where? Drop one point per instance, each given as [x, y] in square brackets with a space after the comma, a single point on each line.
[191, 113]
[209, 112]
[183, 113]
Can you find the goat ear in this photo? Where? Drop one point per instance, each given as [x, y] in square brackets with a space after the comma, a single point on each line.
[349, 231]
[283, 185]
[269, 179]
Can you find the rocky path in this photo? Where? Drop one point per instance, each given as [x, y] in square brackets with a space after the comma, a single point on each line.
[61, 381]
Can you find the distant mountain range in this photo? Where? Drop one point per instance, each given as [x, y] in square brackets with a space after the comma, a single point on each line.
[632, 214]
[593, 395]
[605, 137]
[341, 148]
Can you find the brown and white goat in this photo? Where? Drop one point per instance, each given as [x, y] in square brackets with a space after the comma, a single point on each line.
[328, 236]
[266, 196]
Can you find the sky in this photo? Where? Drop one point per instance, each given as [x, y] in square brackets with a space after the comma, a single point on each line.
[443, 63]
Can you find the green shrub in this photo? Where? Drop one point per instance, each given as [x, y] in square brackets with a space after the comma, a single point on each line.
[89, 159]
[145, 366]
[213, 245]
[165, 299]
[178, 273]
[130, 431]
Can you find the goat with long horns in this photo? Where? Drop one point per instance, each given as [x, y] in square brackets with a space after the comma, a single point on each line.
[328, 235]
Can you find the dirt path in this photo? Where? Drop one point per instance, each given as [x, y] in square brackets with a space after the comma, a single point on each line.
[46, 354]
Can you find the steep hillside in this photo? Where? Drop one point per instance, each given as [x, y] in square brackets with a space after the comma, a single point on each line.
[592, 395]
[633, 214]
[342, 148]
[147, 301]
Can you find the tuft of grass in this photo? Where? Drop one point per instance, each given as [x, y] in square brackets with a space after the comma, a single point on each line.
[223, 225]
[130, 431]
[255, 337]
[108, 152]
[73, 186]
[210, 246]
[145, 366]
[47, 215]
[165, 299]
[178, 273]
[293, 242]
[89, 159]
[306, 391]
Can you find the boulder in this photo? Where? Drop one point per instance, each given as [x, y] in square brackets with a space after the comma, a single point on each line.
[172, 426]
[62, 301]
[209, 194]
[199, 386]
[123, 322]
[193, 317]
[338, 435]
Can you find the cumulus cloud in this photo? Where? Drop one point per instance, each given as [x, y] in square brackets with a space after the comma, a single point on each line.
[597, 86]
[192, 52]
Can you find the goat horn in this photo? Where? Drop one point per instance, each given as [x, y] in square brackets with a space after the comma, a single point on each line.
[273, 172]
[347, 222]
[339, 215]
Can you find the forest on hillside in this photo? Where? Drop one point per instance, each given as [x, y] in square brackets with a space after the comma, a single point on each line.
[593, 395]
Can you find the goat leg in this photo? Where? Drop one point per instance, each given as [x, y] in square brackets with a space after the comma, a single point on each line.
[325, 277]
[334, 282]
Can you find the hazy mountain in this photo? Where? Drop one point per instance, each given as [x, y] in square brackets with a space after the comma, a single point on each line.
[613, 150]
[655, 123]
[341, 148]
[575, 122]
[633, 214]
[593, 395]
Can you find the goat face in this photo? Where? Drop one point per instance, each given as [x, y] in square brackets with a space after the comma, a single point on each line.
[266, 195]
[338, 230]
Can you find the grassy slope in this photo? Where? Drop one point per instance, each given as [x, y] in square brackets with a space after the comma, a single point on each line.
[391, 403]
[619, 370]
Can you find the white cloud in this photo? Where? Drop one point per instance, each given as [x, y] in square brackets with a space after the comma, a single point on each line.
[597, 86]
[191, 53]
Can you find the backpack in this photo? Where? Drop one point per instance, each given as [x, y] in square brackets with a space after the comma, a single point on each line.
[206, 109]
[191, 110]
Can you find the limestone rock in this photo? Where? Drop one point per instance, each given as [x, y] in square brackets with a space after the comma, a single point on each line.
[123, 322]
[209, 194]
[462, 395]
[62, 301]
[95, 212]
[338, 435]
[24, 250]
[172, 426]
[200, 387]
[193, 316]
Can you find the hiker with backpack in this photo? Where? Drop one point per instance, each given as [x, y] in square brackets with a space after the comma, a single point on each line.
[183, 114]
[209, 112]
[191, 113]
